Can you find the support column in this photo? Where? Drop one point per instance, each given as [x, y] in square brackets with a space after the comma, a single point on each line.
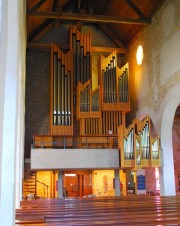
[117, 183]
[60, 184]
[11, 125]
[20, 117]
[80, 181]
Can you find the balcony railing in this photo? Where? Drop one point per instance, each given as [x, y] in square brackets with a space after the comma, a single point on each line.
[82, 141]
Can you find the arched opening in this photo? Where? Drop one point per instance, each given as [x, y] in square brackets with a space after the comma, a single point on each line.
[167, 179]
[176, 148]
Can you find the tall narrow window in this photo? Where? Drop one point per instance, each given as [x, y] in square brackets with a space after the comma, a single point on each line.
[139, 55]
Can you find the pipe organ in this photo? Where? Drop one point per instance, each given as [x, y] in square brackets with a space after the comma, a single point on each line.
[104, 107]
[138, 148]
[99, 112]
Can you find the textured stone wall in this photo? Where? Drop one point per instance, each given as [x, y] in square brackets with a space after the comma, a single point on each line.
[37, 96]
[159, 74]
[160, 70]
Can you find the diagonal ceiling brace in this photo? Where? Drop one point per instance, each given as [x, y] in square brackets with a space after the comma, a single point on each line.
[135, 9]
[43, 25]
[37, 6]
[39, 29]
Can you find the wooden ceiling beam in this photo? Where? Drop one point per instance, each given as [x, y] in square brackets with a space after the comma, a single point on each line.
[94, 49]
[90, 18]
[135, 9]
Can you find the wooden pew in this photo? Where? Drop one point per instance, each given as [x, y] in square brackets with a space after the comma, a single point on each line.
[124, 210]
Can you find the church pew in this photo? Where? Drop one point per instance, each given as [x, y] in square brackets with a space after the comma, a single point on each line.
[92, 211]
[30, 222]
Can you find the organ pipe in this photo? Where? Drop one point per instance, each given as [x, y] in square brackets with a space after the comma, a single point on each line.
[128, 145]
[95, 101]
[145, 142]
[81, 56]
[69, 98]
[55, 80]
[123, 87]
[138, 148]
[109, 82]
[61, 88]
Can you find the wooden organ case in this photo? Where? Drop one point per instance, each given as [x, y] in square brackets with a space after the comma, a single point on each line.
[99, 112]
[138, 148]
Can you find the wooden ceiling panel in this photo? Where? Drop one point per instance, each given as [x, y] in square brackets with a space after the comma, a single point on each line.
[32, 21]
[120, 8]
[148, 7]
[129, 17]
[126, 33]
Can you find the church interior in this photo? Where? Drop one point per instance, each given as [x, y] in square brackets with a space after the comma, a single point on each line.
[81, 83]
[94, 106]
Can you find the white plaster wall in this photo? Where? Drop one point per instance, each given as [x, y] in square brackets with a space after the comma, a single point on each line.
[3, 35]
[157, 81]
[12, 61]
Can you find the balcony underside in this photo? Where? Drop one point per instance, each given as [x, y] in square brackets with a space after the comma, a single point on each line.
[68, 159]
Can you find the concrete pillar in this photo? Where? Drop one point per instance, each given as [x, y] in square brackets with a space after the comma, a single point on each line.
[20, 106]
[60, 184]
[117, 183]
[10, 120]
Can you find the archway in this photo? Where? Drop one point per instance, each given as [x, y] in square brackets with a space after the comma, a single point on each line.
[167, 180]
[176, 147]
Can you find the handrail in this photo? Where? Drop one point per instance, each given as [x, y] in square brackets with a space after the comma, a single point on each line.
[70, 141]
[72, 136]
[45, 185]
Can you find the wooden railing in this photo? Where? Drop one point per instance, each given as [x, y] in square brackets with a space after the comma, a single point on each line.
[45, 189]
[138, 148]
[67, 141]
